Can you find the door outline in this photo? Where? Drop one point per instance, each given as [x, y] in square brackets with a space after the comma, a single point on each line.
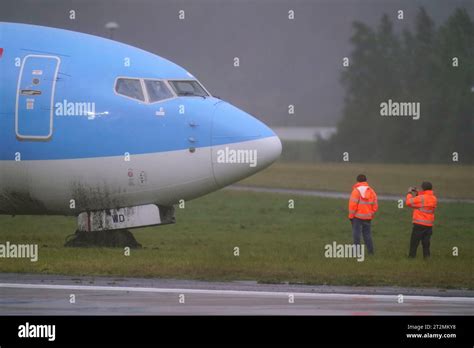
[53, 89]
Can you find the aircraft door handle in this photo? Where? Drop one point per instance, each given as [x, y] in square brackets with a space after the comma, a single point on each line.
[30, 92]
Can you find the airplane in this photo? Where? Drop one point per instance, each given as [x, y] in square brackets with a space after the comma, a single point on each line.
[112, 134]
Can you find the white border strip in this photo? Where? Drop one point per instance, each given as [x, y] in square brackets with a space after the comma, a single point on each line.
[393, 298]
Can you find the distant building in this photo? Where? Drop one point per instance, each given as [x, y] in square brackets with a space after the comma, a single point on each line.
[304, 133]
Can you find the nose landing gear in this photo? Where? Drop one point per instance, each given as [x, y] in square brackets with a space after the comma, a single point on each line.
[109, 228]
[105, 239]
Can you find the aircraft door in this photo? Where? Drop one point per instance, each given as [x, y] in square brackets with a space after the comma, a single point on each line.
[35, 97]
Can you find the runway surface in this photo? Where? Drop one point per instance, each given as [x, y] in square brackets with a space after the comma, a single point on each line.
[22, 294]
[331, 194]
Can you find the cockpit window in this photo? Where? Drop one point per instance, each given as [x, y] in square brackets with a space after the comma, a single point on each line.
[157, 90]
[188, 88]
[131, 88]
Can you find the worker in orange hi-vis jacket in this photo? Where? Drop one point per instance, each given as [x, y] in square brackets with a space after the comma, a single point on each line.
[362, 207]
[424, 204]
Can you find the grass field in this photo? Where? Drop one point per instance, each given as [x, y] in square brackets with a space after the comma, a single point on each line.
[453, 180]
[276, 244]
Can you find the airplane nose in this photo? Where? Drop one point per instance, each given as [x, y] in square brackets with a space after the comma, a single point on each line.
[241, 145]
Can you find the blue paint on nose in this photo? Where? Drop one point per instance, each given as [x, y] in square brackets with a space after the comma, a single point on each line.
[232, 125]
[241, 145]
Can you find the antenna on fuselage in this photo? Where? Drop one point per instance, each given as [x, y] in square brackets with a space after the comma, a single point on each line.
[111, 27]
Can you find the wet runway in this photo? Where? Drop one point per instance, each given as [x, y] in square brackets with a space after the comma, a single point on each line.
[61, 295]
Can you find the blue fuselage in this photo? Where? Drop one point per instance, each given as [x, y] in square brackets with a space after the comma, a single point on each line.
[59, 101]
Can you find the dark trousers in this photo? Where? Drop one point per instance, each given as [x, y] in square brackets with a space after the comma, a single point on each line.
[421, 234]
[362, 227]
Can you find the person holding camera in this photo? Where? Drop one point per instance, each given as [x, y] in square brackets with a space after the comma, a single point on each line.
[424, 205]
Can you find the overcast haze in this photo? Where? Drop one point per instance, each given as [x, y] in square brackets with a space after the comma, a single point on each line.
[282, 61]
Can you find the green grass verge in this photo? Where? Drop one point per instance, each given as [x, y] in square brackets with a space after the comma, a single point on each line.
[453, 180]
[276, 244]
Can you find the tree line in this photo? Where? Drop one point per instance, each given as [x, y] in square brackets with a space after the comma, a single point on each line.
[391, 73]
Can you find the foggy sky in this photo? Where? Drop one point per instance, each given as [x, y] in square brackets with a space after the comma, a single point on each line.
[282, 61]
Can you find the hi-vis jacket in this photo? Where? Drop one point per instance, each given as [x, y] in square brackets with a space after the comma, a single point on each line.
[363, 202]
[423, 206]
